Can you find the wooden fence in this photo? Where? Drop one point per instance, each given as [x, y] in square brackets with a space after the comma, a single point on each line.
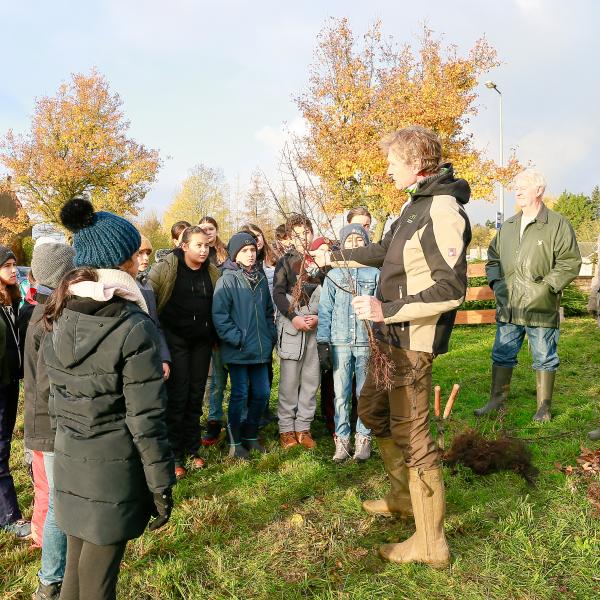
[477, 316]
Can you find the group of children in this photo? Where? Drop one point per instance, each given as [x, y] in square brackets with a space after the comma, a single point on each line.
[219, 311]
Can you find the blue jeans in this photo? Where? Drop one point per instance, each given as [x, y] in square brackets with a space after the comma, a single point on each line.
[242, 377]
[347, 361]
[542, 342]
[54, 545]
[217, 387]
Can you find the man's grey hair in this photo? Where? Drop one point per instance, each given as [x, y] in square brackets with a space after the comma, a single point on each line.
[530, 177]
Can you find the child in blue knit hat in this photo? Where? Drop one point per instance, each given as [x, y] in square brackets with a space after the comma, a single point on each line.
[342, 340]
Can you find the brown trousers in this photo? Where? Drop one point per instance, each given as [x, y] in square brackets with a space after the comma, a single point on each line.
[402, 412]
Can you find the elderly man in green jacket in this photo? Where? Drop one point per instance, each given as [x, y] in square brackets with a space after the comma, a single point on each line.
[533, 257]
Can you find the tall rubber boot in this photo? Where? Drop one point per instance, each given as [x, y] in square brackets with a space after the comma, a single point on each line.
[428, 543]
[544, 387]
[501, 377]
[397, 501]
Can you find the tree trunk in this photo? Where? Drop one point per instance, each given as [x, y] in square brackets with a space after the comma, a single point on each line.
[381, 216]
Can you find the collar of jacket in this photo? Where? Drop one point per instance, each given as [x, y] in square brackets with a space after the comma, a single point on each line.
[541, 218]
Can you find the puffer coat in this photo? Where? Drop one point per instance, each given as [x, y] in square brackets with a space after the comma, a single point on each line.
[108, 401]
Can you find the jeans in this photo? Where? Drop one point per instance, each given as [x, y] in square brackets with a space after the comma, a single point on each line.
[348, 360]
[242, 377]
[217, 387]
[9, 398]
[54, 546]
[542, 341]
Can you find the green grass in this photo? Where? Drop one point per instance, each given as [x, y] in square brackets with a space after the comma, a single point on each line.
[289, 524]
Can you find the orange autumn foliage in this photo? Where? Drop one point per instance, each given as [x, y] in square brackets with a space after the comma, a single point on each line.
[357, 93]
[78, 144]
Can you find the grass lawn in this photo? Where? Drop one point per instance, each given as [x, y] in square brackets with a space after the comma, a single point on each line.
[290, 525]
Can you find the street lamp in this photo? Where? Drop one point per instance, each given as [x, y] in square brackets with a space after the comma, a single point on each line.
[492, 86]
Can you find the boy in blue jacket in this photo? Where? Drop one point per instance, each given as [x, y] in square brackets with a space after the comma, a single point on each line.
[243, 317]
[343, 343]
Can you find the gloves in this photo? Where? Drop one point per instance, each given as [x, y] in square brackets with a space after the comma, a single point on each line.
[163, 505]
[324, 351]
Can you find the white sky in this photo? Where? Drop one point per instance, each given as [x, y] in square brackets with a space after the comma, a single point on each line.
[213, 82]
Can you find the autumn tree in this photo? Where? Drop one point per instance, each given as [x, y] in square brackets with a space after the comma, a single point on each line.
[258, 205]
[481, 236]
[204, 192]
[150, 226]
[358, 92]
[78, 144]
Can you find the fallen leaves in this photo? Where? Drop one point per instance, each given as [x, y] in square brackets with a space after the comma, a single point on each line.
[587, 466]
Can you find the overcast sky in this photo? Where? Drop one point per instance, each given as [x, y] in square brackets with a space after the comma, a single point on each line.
[213, 82]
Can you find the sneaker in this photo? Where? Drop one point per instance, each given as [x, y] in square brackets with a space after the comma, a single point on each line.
[305, 439]
[180, 472]
[20, 528]
[342, 449]
[47, 592]
[254, 445]
[213, 432]
[238, 451]
[198, 463]
[288, 439]
[362, 447]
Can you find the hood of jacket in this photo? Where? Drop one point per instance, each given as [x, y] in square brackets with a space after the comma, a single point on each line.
[85, 323]
[443, 184]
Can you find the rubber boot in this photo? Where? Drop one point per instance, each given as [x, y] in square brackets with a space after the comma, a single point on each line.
[428, 543]
[250, 438]
[594, 435]
[397, 501]
[236, 450]
[544, 388]
[501, 377]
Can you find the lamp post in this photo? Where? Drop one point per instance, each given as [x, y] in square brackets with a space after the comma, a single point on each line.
[492, 86]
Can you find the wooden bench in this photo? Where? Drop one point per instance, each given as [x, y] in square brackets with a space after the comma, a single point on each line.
[477, 316]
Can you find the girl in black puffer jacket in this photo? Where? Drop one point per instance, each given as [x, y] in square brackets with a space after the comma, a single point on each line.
[112, 467]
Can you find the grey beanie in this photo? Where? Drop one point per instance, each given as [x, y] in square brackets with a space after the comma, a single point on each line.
[51, 262]
[353, 228]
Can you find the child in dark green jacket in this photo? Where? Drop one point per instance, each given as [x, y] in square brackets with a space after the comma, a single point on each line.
[243, 317]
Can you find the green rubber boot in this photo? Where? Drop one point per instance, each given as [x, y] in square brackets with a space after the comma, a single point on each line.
[544, 388]
[501, 377]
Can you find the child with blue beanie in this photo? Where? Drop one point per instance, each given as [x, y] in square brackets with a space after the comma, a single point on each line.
[343, 342]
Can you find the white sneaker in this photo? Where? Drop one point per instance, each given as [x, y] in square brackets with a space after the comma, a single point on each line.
[342, 449]
[362, 447]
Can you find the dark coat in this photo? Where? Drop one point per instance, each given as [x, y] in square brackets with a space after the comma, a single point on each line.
[150, 298]
[11, 355]
[162, 278]
[529, 273]
[243, 317]
[39, 434]
[108, 398]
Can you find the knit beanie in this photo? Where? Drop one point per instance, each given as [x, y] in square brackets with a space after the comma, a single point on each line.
[239, 241]
[6, 254]
[102, 240]
[51, 262]
[348, 230]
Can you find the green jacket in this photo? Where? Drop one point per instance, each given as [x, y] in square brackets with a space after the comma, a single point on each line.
[108, 401]
[529, 274]
[162, 278]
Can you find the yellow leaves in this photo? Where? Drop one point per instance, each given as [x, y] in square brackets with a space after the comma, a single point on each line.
[78, 144]
[359, 92]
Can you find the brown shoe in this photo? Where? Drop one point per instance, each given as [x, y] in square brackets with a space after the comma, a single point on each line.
[305, 439]
[180, 472]
[288, 440]
[198, 463]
